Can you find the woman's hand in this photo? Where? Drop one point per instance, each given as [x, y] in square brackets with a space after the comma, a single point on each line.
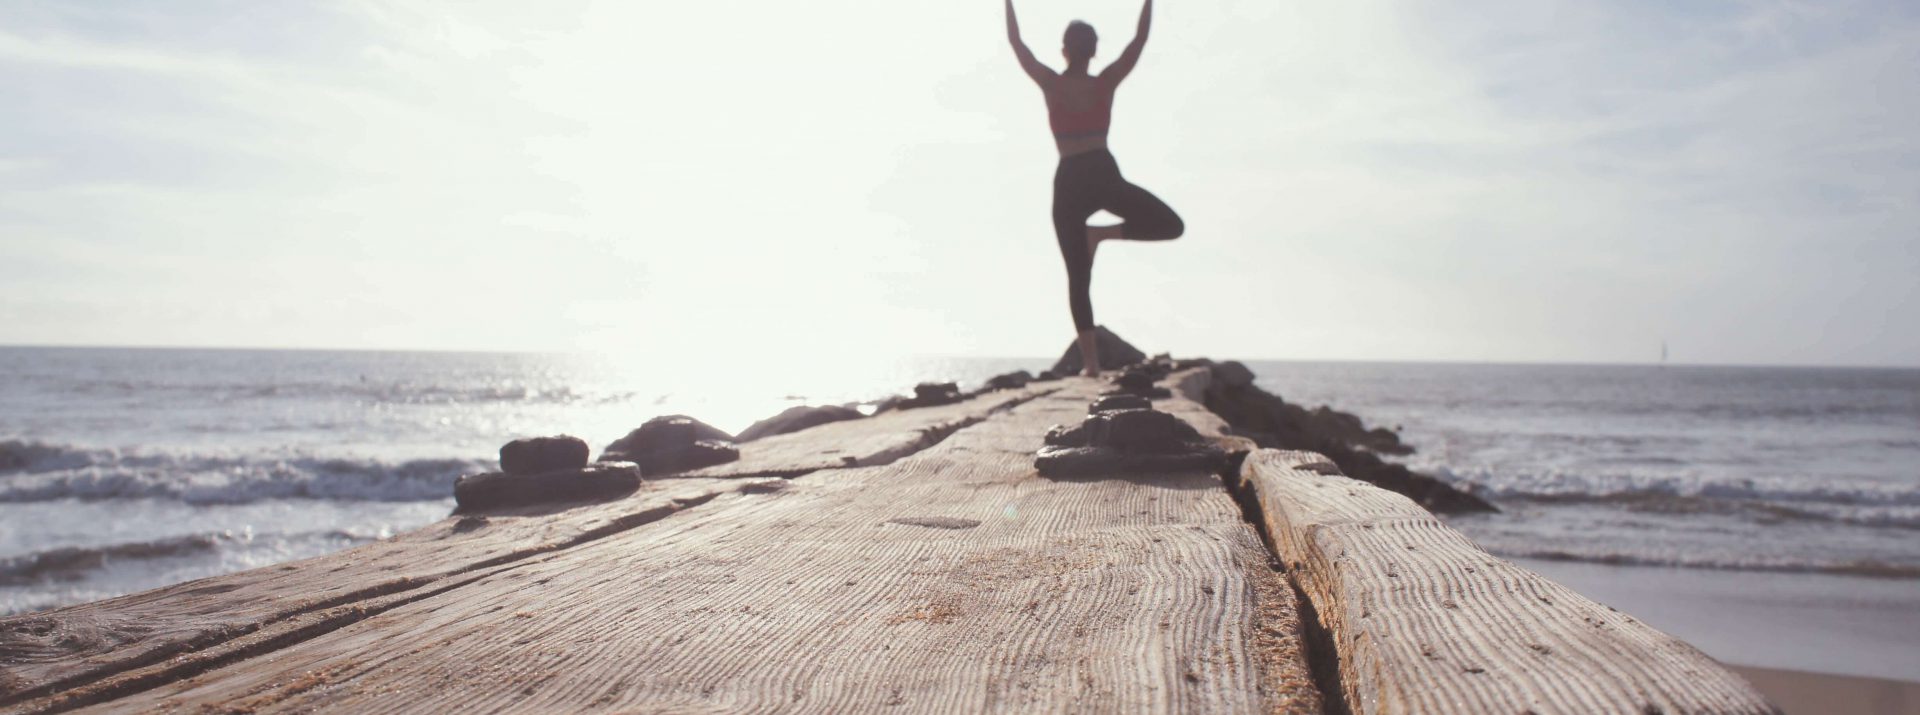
[1129, 57]
[1039, 72]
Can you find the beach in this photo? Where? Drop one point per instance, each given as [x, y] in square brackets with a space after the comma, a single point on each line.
[1806, 622]
[1813, 643]
[1801, 692]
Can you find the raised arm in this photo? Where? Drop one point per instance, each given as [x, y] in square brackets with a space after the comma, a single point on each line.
[1039, 72]
[1129, 57]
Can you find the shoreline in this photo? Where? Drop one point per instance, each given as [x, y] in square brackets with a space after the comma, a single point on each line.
[1842, 626]
[1799, 691]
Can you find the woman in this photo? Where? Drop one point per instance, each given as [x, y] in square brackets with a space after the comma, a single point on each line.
[1080, 106]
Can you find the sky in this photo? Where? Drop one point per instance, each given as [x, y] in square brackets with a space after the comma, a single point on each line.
[1500, 180]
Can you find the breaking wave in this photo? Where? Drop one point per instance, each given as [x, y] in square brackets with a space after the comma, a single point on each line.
[35, 471]
[72, 563]
[365, 391]
[1859, 502]
[1859, 567]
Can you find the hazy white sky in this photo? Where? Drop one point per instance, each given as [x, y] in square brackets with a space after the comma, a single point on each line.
[1372, 179]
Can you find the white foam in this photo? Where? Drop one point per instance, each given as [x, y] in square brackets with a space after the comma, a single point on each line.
[54, 472]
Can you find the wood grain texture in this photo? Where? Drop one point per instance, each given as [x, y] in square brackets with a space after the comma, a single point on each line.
[876, 440]
[952, 579]
[1424, 621]
[68, 648]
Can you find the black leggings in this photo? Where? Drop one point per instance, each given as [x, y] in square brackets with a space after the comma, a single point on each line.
[1084, 184]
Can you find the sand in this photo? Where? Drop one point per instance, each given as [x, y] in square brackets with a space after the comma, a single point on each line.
[1802, 692]
[1812, 643]
[1843, 625]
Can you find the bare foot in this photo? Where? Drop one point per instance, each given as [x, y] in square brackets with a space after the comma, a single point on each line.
[1089, 353]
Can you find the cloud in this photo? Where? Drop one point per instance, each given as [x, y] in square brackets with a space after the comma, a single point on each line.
[1379, 179]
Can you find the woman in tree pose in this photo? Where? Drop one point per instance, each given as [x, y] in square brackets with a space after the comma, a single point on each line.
[1080, 107]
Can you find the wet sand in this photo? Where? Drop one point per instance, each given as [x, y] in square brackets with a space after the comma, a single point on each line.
[1802, 692]
[1812, 643]
[1841, 625]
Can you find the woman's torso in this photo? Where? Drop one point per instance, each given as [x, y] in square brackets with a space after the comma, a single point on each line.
[1080, 109]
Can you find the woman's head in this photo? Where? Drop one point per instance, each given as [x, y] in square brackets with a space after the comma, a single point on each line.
[1080, 41]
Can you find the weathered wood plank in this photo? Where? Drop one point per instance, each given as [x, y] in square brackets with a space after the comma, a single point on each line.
[866, 442]
[955, 579]
[70, 647]
[1424, 621]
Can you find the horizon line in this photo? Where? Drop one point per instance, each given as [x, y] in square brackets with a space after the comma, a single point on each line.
[1437, 361]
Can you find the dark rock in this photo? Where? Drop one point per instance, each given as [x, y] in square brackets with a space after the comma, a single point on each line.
[1123, 401]
[704, 453]
[1138, 380]
[1009, 380]
[1148, 430]
[1126, 441]
[666, 431]
[794, 419]
[1077, 435]
[1046, 376]
[673, 443]
[543, 454]
[1348, 428]
[1346, 425]
[931, 394]
[495, 491]
[936, 391]
[1232, 374]
[1157, 368]
[1274, 423]
[1115, 353]
[1134, 380]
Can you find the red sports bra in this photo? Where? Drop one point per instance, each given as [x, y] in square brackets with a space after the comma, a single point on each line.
[1076, 122]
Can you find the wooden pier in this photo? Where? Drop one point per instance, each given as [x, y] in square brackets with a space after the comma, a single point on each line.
[912, 561]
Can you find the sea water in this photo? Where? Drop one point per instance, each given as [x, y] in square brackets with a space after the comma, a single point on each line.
[135, 468]
[127, 469]
[1745, 468]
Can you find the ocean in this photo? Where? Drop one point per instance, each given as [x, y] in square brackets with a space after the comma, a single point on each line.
[1741, 468]
[127, 469]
